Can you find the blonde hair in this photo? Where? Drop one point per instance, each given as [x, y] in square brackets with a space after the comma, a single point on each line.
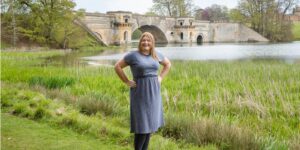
[150, 36]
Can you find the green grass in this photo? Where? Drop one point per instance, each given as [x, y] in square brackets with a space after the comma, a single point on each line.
[296, 31]
[22, 101]
[20, 133]
[249, 104]
[4, 45]
[52, 82]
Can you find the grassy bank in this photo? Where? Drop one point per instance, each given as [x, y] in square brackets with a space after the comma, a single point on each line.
[46, 99]
[20, 133]
[225, 105]
[296, 31]
[88, 48]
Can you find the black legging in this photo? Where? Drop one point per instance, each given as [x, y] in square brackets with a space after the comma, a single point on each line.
[141, 141]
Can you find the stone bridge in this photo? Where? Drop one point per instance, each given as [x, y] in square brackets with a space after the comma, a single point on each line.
[116, 27]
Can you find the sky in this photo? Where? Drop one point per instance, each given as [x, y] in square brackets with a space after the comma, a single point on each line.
[138, 6]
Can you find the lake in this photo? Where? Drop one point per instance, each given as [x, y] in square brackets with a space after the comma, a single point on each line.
[288, 52]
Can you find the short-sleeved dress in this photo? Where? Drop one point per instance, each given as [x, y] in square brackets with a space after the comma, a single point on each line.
[146, 108]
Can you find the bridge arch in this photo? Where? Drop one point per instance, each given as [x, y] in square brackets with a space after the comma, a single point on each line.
[158, 34]
[200, 39]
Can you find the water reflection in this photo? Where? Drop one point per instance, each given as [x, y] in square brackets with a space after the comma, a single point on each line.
[289, 52]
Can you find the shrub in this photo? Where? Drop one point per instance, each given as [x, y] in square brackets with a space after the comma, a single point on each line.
[19, 108]
[6, 103]
[40, 112]
[7, 97]
[70, 119]
[205, 131]
[224, 135]
[91, 104]
[175, 126]
[76, 121]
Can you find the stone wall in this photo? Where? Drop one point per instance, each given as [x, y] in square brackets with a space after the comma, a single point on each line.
[233, 32]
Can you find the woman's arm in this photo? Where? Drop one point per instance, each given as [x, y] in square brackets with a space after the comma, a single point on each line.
[119, 70]
[166, 67]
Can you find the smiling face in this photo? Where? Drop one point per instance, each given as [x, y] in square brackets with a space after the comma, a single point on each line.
[146, 44]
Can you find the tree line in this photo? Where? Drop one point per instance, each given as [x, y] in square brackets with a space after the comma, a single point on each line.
[267, 17]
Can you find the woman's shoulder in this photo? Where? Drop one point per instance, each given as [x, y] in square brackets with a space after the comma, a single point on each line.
[134, 52]
[130, 56]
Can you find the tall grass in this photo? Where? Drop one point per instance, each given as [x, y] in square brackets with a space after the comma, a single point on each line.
[232, 104]
[296, 31]
[204, 131]
[33, 105]
[91, 104]
[52, 82]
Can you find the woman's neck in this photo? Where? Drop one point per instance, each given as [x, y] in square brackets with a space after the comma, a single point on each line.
[145, 52]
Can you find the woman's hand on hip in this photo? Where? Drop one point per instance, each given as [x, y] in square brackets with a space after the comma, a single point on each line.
[131, 83]
[159, 79]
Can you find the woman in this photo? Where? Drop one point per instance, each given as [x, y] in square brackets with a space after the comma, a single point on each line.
[146, 109]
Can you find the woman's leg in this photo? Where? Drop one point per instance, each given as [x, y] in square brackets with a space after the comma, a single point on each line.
[147, 140]
[141, 141]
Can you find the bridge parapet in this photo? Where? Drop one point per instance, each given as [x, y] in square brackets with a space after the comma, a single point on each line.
[121, 24]
[184, 26]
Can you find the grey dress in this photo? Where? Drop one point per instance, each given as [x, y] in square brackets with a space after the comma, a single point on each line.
[146, 109]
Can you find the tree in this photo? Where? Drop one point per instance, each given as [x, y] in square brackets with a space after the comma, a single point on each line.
[198, 13]
[49, 22]
[173, 8]
[236, 16]
[267, 17]
[46, 16]
[67, 34]
[150, 13]
[285, 6]
[213, 13]
[8, 22]
[164, 7]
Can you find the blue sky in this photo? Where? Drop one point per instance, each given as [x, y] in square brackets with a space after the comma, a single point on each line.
[138, 6]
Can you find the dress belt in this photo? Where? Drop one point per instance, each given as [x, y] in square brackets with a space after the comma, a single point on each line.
[145, 76]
